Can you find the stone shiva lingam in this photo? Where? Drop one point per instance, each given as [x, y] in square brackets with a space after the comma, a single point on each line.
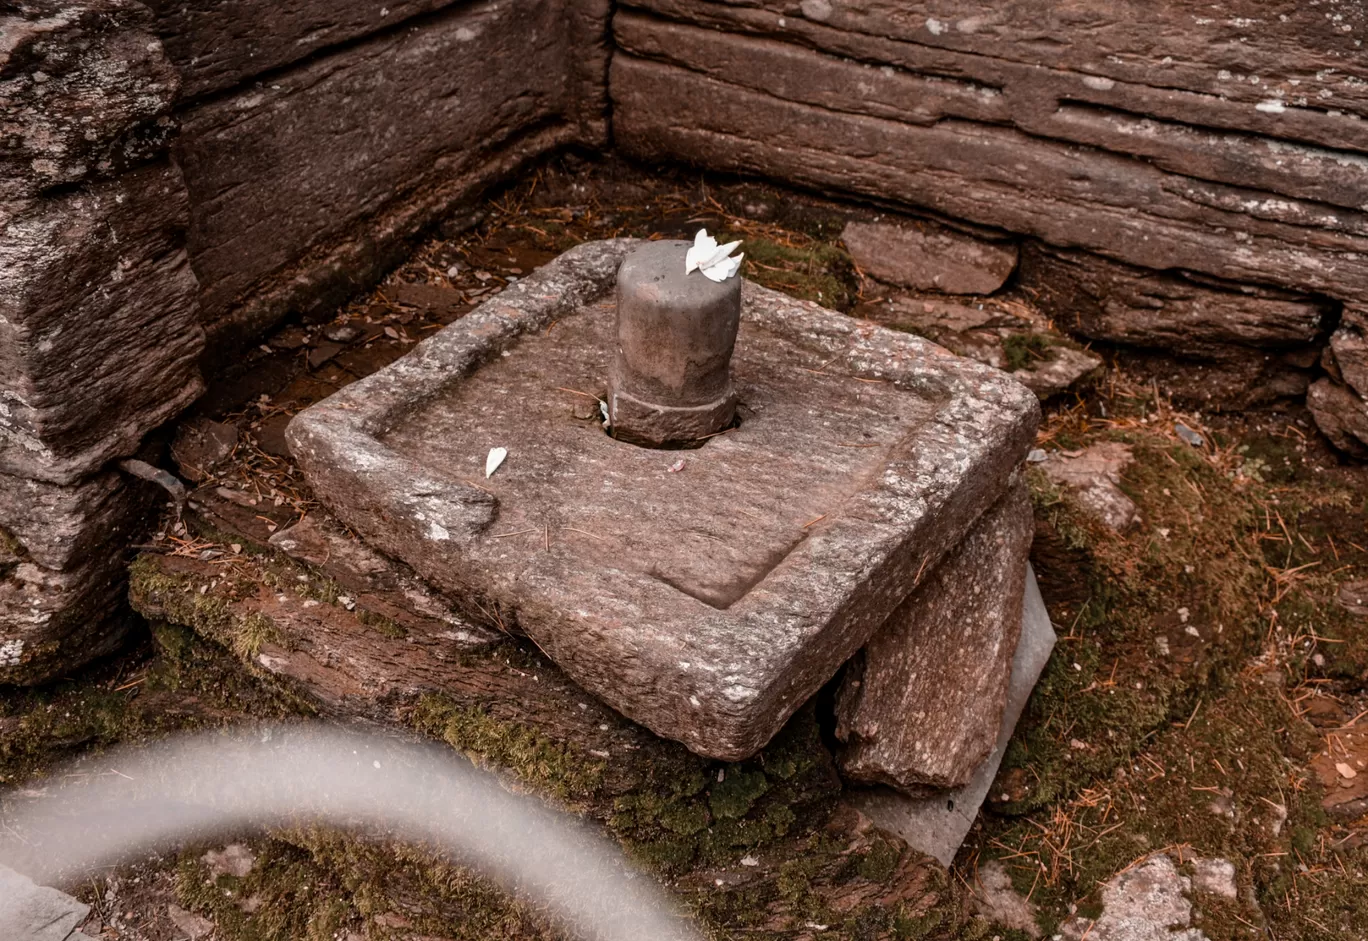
[831, 493]
[678, 310]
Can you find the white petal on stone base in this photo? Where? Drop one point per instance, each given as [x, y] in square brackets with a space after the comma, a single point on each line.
[496, 457]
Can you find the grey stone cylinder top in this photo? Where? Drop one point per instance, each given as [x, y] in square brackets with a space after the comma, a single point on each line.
[670, 384]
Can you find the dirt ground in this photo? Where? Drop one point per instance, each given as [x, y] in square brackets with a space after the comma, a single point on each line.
[1208, 697]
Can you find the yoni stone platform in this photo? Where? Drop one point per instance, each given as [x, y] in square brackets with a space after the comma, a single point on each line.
[705, 593]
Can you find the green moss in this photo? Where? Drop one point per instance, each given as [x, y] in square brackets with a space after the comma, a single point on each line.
[816, 271]
[1024, 350]
[387, 626]
[734, 796]
[553, 767]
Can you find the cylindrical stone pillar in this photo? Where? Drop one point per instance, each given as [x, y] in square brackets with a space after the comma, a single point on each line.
[670, 384]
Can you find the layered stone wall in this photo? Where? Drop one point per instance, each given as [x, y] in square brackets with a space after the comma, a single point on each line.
[319, 139]
[1221, 139]
[99, 331]
[175, 169]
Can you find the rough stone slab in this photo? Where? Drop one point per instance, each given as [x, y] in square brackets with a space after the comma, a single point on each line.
[929, 259]
[1106, 300]
[58, 526]
[217, 44]
[921, 705]
[85, 91]
[1341, 415]
[764, 611]
[285, 179]
[1094, 477]
[30, 912]
[382, 586]
[1079, 161]
[937, 825]
[99, 337]
[1349, 348]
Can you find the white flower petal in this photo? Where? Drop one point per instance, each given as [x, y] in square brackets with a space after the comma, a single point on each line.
[703, 247]
[724, 269]
[496, 457]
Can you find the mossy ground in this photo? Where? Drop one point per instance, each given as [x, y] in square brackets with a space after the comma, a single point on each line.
[1128, 745]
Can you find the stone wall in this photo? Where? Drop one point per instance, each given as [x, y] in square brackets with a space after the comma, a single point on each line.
[1222, 140]
[171, 170]
[99, 330]
[319, 139]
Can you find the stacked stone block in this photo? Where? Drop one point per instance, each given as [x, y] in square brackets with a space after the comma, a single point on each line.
[99, 331]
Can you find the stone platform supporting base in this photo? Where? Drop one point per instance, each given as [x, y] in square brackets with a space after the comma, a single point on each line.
[937, 825]
[921, 705]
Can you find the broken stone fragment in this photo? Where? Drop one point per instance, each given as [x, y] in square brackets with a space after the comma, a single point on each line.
[995, 898]
[937, 824]
[1006, 335]
[1341, 415]
[99, 334]
[927, 257]
[85, 92]
[1093, 476]
[1349, 350]
[1353, 597]
[200, 446]
[921, 704]
[30, 912]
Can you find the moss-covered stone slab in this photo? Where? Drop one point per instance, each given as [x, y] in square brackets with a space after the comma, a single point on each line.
[705, 594]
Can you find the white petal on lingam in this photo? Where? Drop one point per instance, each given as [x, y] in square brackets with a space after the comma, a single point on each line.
[704, 245]
[724, 269]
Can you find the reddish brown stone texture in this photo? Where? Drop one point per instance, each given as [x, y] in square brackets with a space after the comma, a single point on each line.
[304, 188]
[921, 704]
[85, 92]
[97, 314]
[1086, 127]
[62, 572]
[929, 258]
[650, 586]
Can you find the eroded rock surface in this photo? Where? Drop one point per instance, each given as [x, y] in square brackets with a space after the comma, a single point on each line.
[921, 704]
[85, 91]
[1155, 134]
[99, 329]
[320, 180]
[62, 571]
[929, 258]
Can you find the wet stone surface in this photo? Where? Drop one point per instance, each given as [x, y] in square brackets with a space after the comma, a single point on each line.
[706, 599]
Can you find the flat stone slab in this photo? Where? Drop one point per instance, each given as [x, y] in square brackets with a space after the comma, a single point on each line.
[921, 705]
[937, 825]
[704, 593]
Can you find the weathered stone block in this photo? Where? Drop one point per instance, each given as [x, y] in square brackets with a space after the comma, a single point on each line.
[921, 705]
[1341, 415]
[707, 601]
[302, 188]
[62, 573]
[929, 258]
[1116, 303]
[1105, 138]
[99, 338]
[85, 90]
[937, 824]
[1349, 349]
[217, 44]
